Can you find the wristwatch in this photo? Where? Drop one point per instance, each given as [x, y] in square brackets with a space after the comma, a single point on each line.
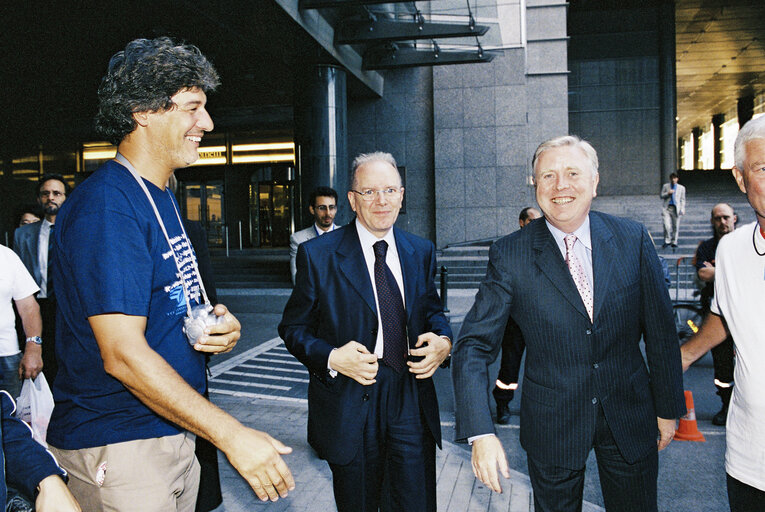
[35, 339]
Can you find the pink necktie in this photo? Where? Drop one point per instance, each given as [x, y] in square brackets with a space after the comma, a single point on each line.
[577, 272]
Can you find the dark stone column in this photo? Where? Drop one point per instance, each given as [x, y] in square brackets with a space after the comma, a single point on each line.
[717, 120]
[321, 132]
[696, 147]
[745, 108]
[667, 90]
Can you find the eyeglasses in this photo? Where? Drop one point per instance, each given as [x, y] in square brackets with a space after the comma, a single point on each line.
[324, 207]
[54, 193]
[371, 194]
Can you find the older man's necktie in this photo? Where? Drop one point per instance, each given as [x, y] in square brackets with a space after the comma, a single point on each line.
[392, 311]
[577, 272]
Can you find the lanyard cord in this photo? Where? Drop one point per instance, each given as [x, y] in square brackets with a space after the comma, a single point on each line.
[186, 295]
[754, 239]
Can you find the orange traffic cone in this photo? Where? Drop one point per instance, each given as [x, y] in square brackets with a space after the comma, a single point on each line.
[688, 430]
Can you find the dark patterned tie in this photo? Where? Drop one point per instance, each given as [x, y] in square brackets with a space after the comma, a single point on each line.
[391, 311]
[49, 277]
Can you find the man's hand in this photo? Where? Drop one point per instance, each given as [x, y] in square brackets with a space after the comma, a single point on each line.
[707, 272]
[435, 352]
[54, 496]
[31, 364]
[257, 457]
[487, 455]
[220, 338]
[355, 361]
[666, 432]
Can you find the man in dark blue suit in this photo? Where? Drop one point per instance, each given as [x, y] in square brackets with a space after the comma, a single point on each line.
[584, 288]
[367, 322]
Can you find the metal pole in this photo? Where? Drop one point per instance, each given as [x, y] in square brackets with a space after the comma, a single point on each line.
[444, 284]
[240, 235]
[225, 233]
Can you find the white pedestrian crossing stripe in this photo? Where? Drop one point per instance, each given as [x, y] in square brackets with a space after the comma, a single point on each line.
[265, 371]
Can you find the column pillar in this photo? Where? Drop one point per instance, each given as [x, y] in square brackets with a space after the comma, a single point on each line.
[745, 109]
[667, 90]
[321, 132]
[696, 147]
[717, 121]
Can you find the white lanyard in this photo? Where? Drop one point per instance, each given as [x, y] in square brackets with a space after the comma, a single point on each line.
[186, 295]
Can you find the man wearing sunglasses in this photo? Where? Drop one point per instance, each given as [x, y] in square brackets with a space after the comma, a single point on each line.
[323, 207]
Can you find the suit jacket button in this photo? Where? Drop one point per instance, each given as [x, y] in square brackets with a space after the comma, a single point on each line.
[594, 401]
[596, 366]
[589, 331]
[373, 332]
[365, 397]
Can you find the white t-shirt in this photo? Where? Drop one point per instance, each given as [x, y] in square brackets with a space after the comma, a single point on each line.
[740, 299]
[15, 284]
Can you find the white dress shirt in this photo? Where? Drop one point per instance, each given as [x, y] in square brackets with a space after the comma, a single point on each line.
[42, 257]
[367, 240]
[320, 231]
[582, 247]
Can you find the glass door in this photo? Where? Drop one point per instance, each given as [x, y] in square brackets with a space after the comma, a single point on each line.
[273, 202]
[203, 202]
[214, 213]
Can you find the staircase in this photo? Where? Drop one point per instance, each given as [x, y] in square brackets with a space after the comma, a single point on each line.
[466, 263]
[252, 268]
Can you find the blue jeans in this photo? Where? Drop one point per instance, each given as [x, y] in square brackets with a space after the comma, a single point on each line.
[9, 374]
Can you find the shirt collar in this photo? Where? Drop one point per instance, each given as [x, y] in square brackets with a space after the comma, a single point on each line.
[582, 233]
[367, 239]
[45, 224]
[320, 231]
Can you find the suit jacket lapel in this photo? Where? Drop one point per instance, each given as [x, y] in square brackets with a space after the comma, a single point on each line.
[603, 260]
[408, 269]
[354, 267]
[34, 244]
[551, 263]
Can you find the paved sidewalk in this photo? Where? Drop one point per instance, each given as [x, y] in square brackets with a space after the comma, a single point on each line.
[285, 418]
[458, 490]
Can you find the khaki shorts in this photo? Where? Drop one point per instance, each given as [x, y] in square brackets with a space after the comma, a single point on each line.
[146, 475]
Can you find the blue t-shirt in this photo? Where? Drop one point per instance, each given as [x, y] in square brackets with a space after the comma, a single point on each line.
[112, 257]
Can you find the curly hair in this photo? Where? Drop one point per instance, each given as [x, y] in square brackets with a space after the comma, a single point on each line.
[143, 78]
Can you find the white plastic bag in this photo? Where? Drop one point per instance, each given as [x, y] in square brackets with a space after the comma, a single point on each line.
[35, 405]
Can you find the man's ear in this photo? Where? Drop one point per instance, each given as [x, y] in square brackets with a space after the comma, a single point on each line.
[142, 118]
[739, 177]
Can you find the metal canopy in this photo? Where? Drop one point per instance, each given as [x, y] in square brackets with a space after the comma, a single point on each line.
[352, 32]
[369, 36]
[394, 57]
[335, 4]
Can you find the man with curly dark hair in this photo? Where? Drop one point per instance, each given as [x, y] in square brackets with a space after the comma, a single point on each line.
[132, 348]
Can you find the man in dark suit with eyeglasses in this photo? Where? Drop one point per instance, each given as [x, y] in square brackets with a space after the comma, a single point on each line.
[365, 300]
[33, 243]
